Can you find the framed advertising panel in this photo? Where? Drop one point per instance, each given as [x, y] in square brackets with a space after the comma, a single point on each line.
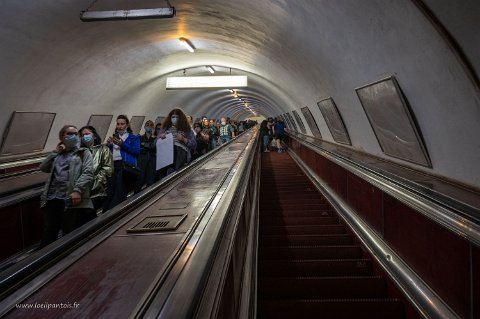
[286, 121]
[101, 123]
[136, 124]
[334, 121]
[27, 132]
[292, 122]
[300, 122]
[393, 121]
[311, 122]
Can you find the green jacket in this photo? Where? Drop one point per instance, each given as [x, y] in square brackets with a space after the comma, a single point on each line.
[103, 169]
[80, 176]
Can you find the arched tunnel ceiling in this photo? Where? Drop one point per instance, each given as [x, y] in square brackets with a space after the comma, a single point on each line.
[295, 54]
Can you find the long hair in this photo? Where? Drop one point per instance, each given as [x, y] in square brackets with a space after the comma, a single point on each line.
[263, 126]
[182, 123]
[97, 139]
[124, 117]
[63, 130]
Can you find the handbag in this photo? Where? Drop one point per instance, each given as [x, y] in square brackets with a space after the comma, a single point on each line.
[131, 171]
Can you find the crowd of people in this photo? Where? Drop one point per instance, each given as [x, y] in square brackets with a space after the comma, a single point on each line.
[272, 133]
[87, 177]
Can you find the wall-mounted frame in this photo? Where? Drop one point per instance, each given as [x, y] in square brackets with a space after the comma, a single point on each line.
[334, 121]
[292, 122]
[300, 122]
[282, 118]
[393, 121]
[286, 121]
[311, 121]
[136, 124]
[26, 132]
[101, 123]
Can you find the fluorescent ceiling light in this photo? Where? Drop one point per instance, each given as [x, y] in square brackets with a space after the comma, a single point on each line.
[157, 13]
[206, 82]
[187, 44]
[210, 69]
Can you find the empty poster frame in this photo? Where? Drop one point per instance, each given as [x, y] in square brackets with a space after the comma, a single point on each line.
[393, 122]
[27, 132]
[292, 122]
[101, 123]
[311, 122]
[136, 124]
[300, 122]
[334, 121]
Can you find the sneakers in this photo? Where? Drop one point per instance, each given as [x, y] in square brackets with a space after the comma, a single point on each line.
[267, 151]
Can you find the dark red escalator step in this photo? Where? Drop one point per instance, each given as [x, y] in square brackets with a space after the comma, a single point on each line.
[321, 288]
[292, 240]
[296, 213]
[302, 230]
[315, 268]
[294, 202]
[314, 198]
[300, 220]
[310, 252]
[292, 206]
[332, 309]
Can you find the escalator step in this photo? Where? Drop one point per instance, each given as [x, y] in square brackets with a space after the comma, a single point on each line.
[334, 309]
[314, 268]
[303, 229]
[311, 252]
[298, 220]
[321, 288]
[290, 240]
[297, 213]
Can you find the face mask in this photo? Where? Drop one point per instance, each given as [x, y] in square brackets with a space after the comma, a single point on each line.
[174, 120]
[224, 123]
[87, 140]
[197, 129]
[71, 141]
[121, 132]
[148, 130]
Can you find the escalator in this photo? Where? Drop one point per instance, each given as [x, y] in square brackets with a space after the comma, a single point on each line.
[309, 265]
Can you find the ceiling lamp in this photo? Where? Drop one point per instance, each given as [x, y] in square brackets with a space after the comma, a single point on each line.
[206, 82]
[210, 69]
[187, 44]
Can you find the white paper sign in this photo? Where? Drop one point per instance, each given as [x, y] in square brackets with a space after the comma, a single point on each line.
[165, 151]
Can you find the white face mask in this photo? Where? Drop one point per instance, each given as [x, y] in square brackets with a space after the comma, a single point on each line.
[174, 120]
[224, 123]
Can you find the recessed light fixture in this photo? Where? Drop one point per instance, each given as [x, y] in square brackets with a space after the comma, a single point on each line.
[210, 69]
[135, 14]
[206, 82]
[187, 44]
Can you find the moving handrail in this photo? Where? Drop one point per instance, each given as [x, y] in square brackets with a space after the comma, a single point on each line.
[196, 285]
[425, 300]
[428, 205]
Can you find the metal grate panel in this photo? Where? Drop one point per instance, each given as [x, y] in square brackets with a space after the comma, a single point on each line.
[158, 223]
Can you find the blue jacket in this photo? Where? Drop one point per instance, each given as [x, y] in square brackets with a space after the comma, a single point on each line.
[129, 149]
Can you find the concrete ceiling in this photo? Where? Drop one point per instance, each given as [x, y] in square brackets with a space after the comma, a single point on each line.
[295, 53]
